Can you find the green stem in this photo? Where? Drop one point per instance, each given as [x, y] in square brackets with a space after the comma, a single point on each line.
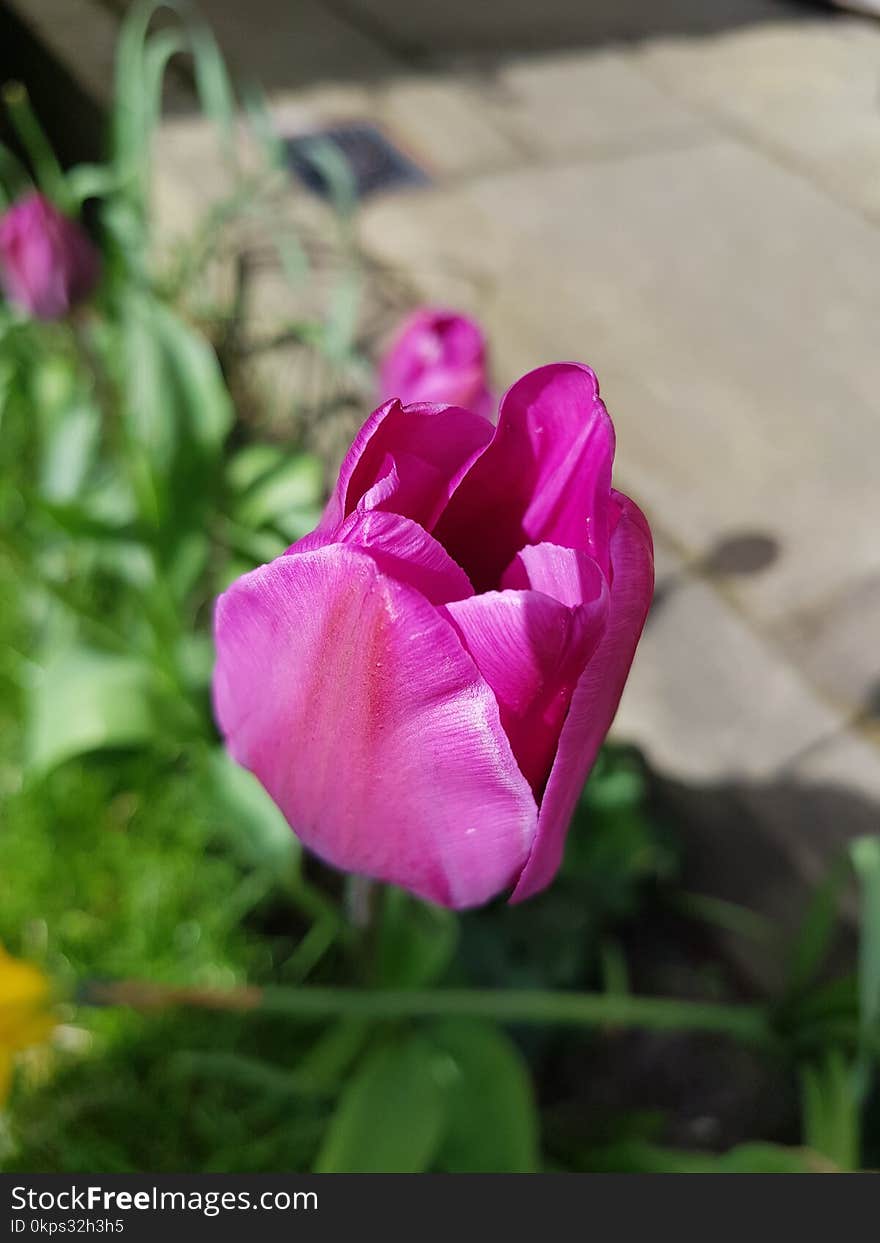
[747, 1023]
[524, 1006]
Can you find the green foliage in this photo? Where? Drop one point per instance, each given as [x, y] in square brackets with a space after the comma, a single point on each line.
[275, 489]
[415, 942]
[491, 1113]
[813, 942]
[47, 170]
[391, 1114]
[83, 700]
[831, 1109]
[257, 832]
[456, 1097]
[865, 854]
[643, 1158]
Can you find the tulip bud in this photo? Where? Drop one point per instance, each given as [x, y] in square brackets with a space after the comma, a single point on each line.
[437, 356]
[47, 261]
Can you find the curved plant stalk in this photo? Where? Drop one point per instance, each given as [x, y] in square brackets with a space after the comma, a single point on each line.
[749, 1023]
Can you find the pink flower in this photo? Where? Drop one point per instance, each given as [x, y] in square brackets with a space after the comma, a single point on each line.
[422, 684]
[437, 356]
[47, 262]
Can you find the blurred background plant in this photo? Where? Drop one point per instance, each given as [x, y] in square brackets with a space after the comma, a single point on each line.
[318, 1028]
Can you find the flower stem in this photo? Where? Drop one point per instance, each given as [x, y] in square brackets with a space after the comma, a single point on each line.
[745, 1022]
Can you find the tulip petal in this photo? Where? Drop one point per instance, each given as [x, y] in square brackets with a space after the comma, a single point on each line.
[407, 485]
[569, 575]
[546, 476]
[355, 704]
[402, 550]
[595, 700]
[532, 650]
[430, 449]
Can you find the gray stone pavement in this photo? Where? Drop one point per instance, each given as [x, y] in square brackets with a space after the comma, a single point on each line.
[691, 203]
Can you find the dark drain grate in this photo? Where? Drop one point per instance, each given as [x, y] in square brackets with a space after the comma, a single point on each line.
[374, 163]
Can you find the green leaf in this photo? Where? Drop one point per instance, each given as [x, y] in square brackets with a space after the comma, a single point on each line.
[84, 700]
[415, 941]
[639, 1157]
[158, 51]
[255, 827]
[150, 415]
[342, 318]
[178, 411]
[129, 127]
[202, 397]
[330, 161]
[830, 1110]
[331, 1056]
[70, 450]
[256, 107]
[613, 967]
[90, 181]
[250, 548]
[247, 466]
[14, 180]
[391, 1115]
[865, 854]
[817, 930]
[35, 143]
[287, 497]
[728, 916]
[188, 564]
[760, 1158]
[212, 81]
[493, 1125]
[194, 655]
[141, 60]
[84, 521]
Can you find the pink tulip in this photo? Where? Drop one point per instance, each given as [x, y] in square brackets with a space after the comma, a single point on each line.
[47, 262]
[437, 356]
[422, 684]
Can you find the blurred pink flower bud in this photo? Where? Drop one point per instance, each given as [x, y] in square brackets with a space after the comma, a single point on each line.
[438, 356]
[47, 261]
[423, 683]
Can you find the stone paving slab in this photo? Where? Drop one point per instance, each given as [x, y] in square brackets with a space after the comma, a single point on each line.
[563, 105]
[81, 35]
[515, 24]
[443, 123]
[281, 44]
[809, 93]
[707, 698]
[846, 761]
[276, 44]
[537, 110]
[838, 645]
[447, 124]
[682, 277]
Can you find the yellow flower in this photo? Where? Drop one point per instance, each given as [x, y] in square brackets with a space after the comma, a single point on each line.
[25, 1014]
